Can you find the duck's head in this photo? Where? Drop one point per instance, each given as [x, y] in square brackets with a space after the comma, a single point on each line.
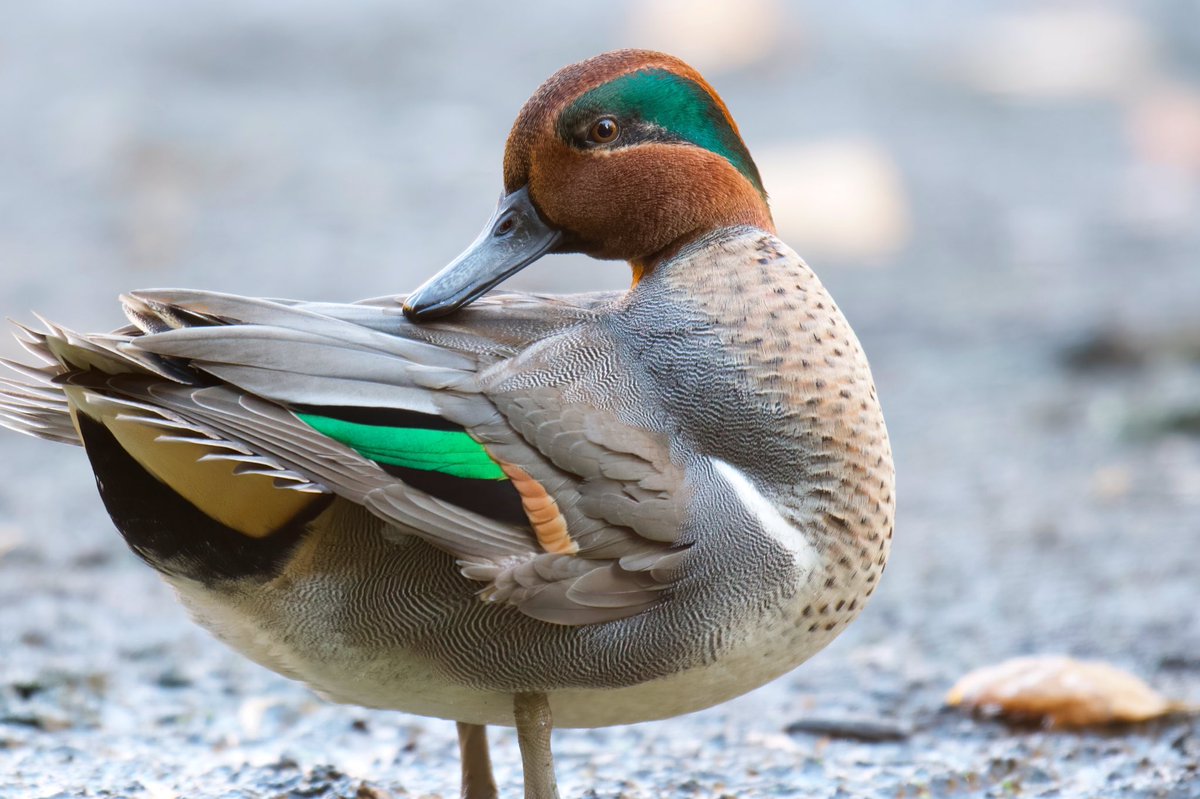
[628, 155]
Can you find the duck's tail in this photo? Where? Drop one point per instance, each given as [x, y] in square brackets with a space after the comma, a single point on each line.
[31, 402]
[32, 396]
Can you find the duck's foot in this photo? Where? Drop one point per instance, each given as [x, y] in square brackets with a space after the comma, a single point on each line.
[477, 780]
[532, 715]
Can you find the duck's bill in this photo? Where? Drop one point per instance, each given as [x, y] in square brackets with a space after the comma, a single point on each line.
[512, 239]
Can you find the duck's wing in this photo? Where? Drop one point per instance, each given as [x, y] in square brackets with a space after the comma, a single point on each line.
[463, 432]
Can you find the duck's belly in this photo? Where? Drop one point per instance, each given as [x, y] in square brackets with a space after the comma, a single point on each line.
[403, 678]
[768, 651]
[367, 616]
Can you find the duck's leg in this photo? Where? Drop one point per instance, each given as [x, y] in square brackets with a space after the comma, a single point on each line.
[477, 780]
[532, 715]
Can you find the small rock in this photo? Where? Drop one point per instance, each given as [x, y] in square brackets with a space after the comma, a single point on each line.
[370, 792]
[1179, 661]
[1104, 349]
[173, 679]
[855, 729]
[27, 690]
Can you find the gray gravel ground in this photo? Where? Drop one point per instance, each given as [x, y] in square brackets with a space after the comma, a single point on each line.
[1035, 341]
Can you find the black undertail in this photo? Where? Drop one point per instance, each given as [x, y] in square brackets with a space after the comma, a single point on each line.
[492, 499]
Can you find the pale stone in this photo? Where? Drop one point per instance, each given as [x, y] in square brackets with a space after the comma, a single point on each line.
[840, 197]
[711, 35]
[1164, 126]
[1059, 52]
[1111, 483]
[10, 539]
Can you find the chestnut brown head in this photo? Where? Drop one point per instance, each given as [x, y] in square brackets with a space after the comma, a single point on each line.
[628, 155]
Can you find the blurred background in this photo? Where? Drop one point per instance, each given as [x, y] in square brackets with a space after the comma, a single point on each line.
[1004, 197]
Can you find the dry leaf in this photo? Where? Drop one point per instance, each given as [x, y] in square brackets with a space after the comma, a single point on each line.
[1061, 691]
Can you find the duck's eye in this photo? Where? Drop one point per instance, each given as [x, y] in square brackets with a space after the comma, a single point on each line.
[604, 130]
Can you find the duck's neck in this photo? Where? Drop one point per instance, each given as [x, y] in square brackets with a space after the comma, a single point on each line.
[752, 212]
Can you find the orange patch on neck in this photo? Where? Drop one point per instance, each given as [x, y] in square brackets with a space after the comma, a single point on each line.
[640, 268]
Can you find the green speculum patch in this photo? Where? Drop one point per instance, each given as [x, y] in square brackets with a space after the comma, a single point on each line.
[682, 108]
[451, 452]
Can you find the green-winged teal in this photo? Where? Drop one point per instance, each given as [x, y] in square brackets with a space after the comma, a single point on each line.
[512, 508]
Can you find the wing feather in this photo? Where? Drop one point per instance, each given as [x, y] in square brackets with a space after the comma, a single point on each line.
[222, 371]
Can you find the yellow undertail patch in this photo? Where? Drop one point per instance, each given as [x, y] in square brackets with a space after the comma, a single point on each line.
[248, 503]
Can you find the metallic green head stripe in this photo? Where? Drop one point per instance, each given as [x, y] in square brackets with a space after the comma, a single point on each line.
[681, 107]
[447, 451]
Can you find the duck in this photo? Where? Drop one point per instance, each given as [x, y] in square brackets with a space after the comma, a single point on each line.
[504, 508]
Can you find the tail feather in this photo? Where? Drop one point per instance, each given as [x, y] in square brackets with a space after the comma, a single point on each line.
[36, 409]
[32, 399]
[34, 342]
[31, 402]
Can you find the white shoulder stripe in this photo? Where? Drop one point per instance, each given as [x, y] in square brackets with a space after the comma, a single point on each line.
[773, 524]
